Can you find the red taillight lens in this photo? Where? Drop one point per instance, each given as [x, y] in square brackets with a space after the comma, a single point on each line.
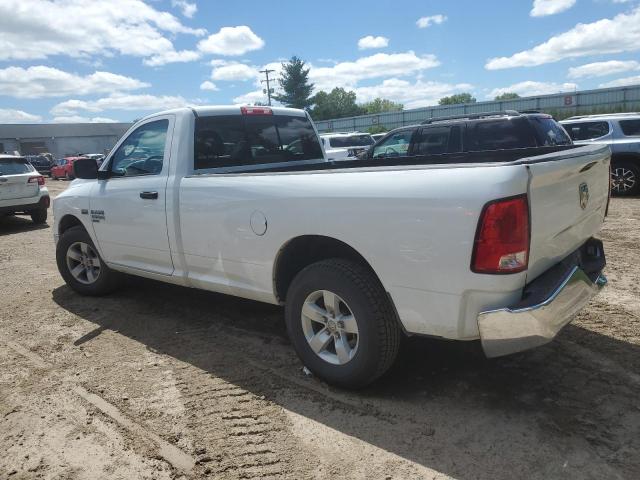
[502, 239]
[39, 179]
[256, 111]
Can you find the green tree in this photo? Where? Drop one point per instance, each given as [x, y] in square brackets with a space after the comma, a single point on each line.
[380, 105]
[457, 99]
[294, 81]
[336, 104]
[507, 96]
[377, 129]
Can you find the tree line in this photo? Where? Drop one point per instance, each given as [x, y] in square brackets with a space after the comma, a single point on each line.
[297, 92]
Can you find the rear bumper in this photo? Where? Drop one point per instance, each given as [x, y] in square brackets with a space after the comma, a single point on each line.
[42, 201]
[549, 303]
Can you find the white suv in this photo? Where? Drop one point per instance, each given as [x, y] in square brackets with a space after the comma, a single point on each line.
[621, 131]
[345, 146]
[22, 189]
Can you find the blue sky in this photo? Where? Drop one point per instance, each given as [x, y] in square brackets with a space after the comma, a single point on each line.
[90, 60]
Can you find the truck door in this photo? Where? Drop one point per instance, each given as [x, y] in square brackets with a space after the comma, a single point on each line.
[128, 208]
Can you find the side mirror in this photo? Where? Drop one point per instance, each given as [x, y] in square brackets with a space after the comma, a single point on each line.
[85, 168]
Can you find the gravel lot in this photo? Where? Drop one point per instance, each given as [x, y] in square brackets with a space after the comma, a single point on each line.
[158, 381]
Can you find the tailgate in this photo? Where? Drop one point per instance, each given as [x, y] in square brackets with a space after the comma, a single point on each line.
[568, 194]
[16, 187]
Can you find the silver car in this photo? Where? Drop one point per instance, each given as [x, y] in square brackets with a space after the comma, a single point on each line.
[621, 131]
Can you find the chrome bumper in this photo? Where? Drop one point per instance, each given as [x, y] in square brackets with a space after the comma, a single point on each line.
[510, 330]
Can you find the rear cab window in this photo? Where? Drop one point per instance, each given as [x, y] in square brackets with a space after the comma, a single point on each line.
[587, 130]
[14, 166]
[247, 140]
[630, 128]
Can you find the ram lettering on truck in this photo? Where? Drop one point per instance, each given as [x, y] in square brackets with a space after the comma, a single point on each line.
[483, 239]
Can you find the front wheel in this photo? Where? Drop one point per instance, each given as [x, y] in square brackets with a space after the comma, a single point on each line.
[341, 323]
[81, 266]
[625, 178]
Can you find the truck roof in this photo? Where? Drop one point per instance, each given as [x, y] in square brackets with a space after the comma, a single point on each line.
[603, 116]
[212, 110]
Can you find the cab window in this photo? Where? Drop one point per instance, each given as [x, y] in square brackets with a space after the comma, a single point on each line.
[438, 140]
[142, 153]
[395, 145]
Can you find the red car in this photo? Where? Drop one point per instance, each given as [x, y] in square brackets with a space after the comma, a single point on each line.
[63, 168]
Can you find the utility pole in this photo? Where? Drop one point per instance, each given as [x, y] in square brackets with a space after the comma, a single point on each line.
[268, 91]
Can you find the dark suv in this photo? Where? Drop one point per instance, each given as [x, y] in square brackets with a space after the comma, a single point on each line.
[462, 136]
[41, 163]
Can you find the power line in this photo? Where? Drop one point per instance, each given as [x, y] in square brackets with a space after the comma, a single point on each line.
[267, 72]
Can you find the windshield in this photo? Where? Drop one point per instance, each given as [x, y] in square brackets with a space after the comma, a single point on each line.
[14, 166]
[549, 133]
[351, 141]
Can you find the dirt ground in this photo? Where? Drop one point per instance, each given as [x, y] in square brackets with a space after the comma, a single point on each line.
[164, 382]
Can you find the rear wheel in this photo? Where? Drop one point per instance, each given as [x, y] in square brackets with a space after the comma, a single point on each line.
[625, 178]
[81, 266]
[341, 323]
[67, 176]
[39, 216]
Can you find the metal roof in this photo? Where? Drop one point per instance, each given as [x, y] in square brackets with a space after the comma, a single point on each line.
[48, 130]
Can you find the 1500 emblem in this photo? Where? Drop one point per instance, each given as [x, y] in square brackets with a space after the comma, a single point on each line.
[583, 190]
[97, 215]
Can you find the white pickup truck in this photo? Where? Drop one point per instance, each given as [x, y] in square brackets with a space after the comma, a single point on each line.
[241, 200]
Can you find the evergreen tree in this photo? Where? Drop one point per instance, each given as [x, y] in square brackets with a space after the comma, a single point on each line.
[294, 81]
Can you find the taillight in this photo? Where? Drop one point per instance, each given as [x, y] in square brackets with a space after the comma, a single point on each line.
[39, 179]
[502, 238]
[256, 111]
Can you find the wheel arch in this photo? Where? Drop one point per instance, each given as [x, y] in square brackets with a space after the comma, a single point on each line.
[68, 221]
[300, 252]
[625, 157]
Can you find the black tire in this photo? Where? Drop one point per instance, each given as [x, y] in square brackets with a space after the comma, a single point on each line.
[625, 178]
[39, 216]
[107, 279]
[378, 331]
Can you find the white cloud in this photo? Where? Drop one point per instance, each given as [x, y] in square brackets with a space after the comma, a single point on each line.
[231, 41]
[348, 74]
[621, 82]
[530, 88]
[602, 69]
[234, 71]
[119, 102]
[410, 94]
[188, 9]
[37, 29]
[542, 8]
[8, 115]
[207, 85]
[425, 22]
[81, 119]
[171, 56]
[41, 81]
[372, 42]
[250, 98]
[619, 34]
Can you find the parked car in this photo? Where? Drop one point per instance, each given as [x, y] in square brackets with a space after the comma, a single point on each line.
[98, 157]
[360, 253]
[470, 137]
[40, 162]
[22, 189]
[63, 168]
[340, 146]
[621, 131]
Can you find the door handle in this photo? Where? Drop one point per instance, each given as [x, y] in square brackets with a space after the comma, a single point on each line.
[149, 195]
